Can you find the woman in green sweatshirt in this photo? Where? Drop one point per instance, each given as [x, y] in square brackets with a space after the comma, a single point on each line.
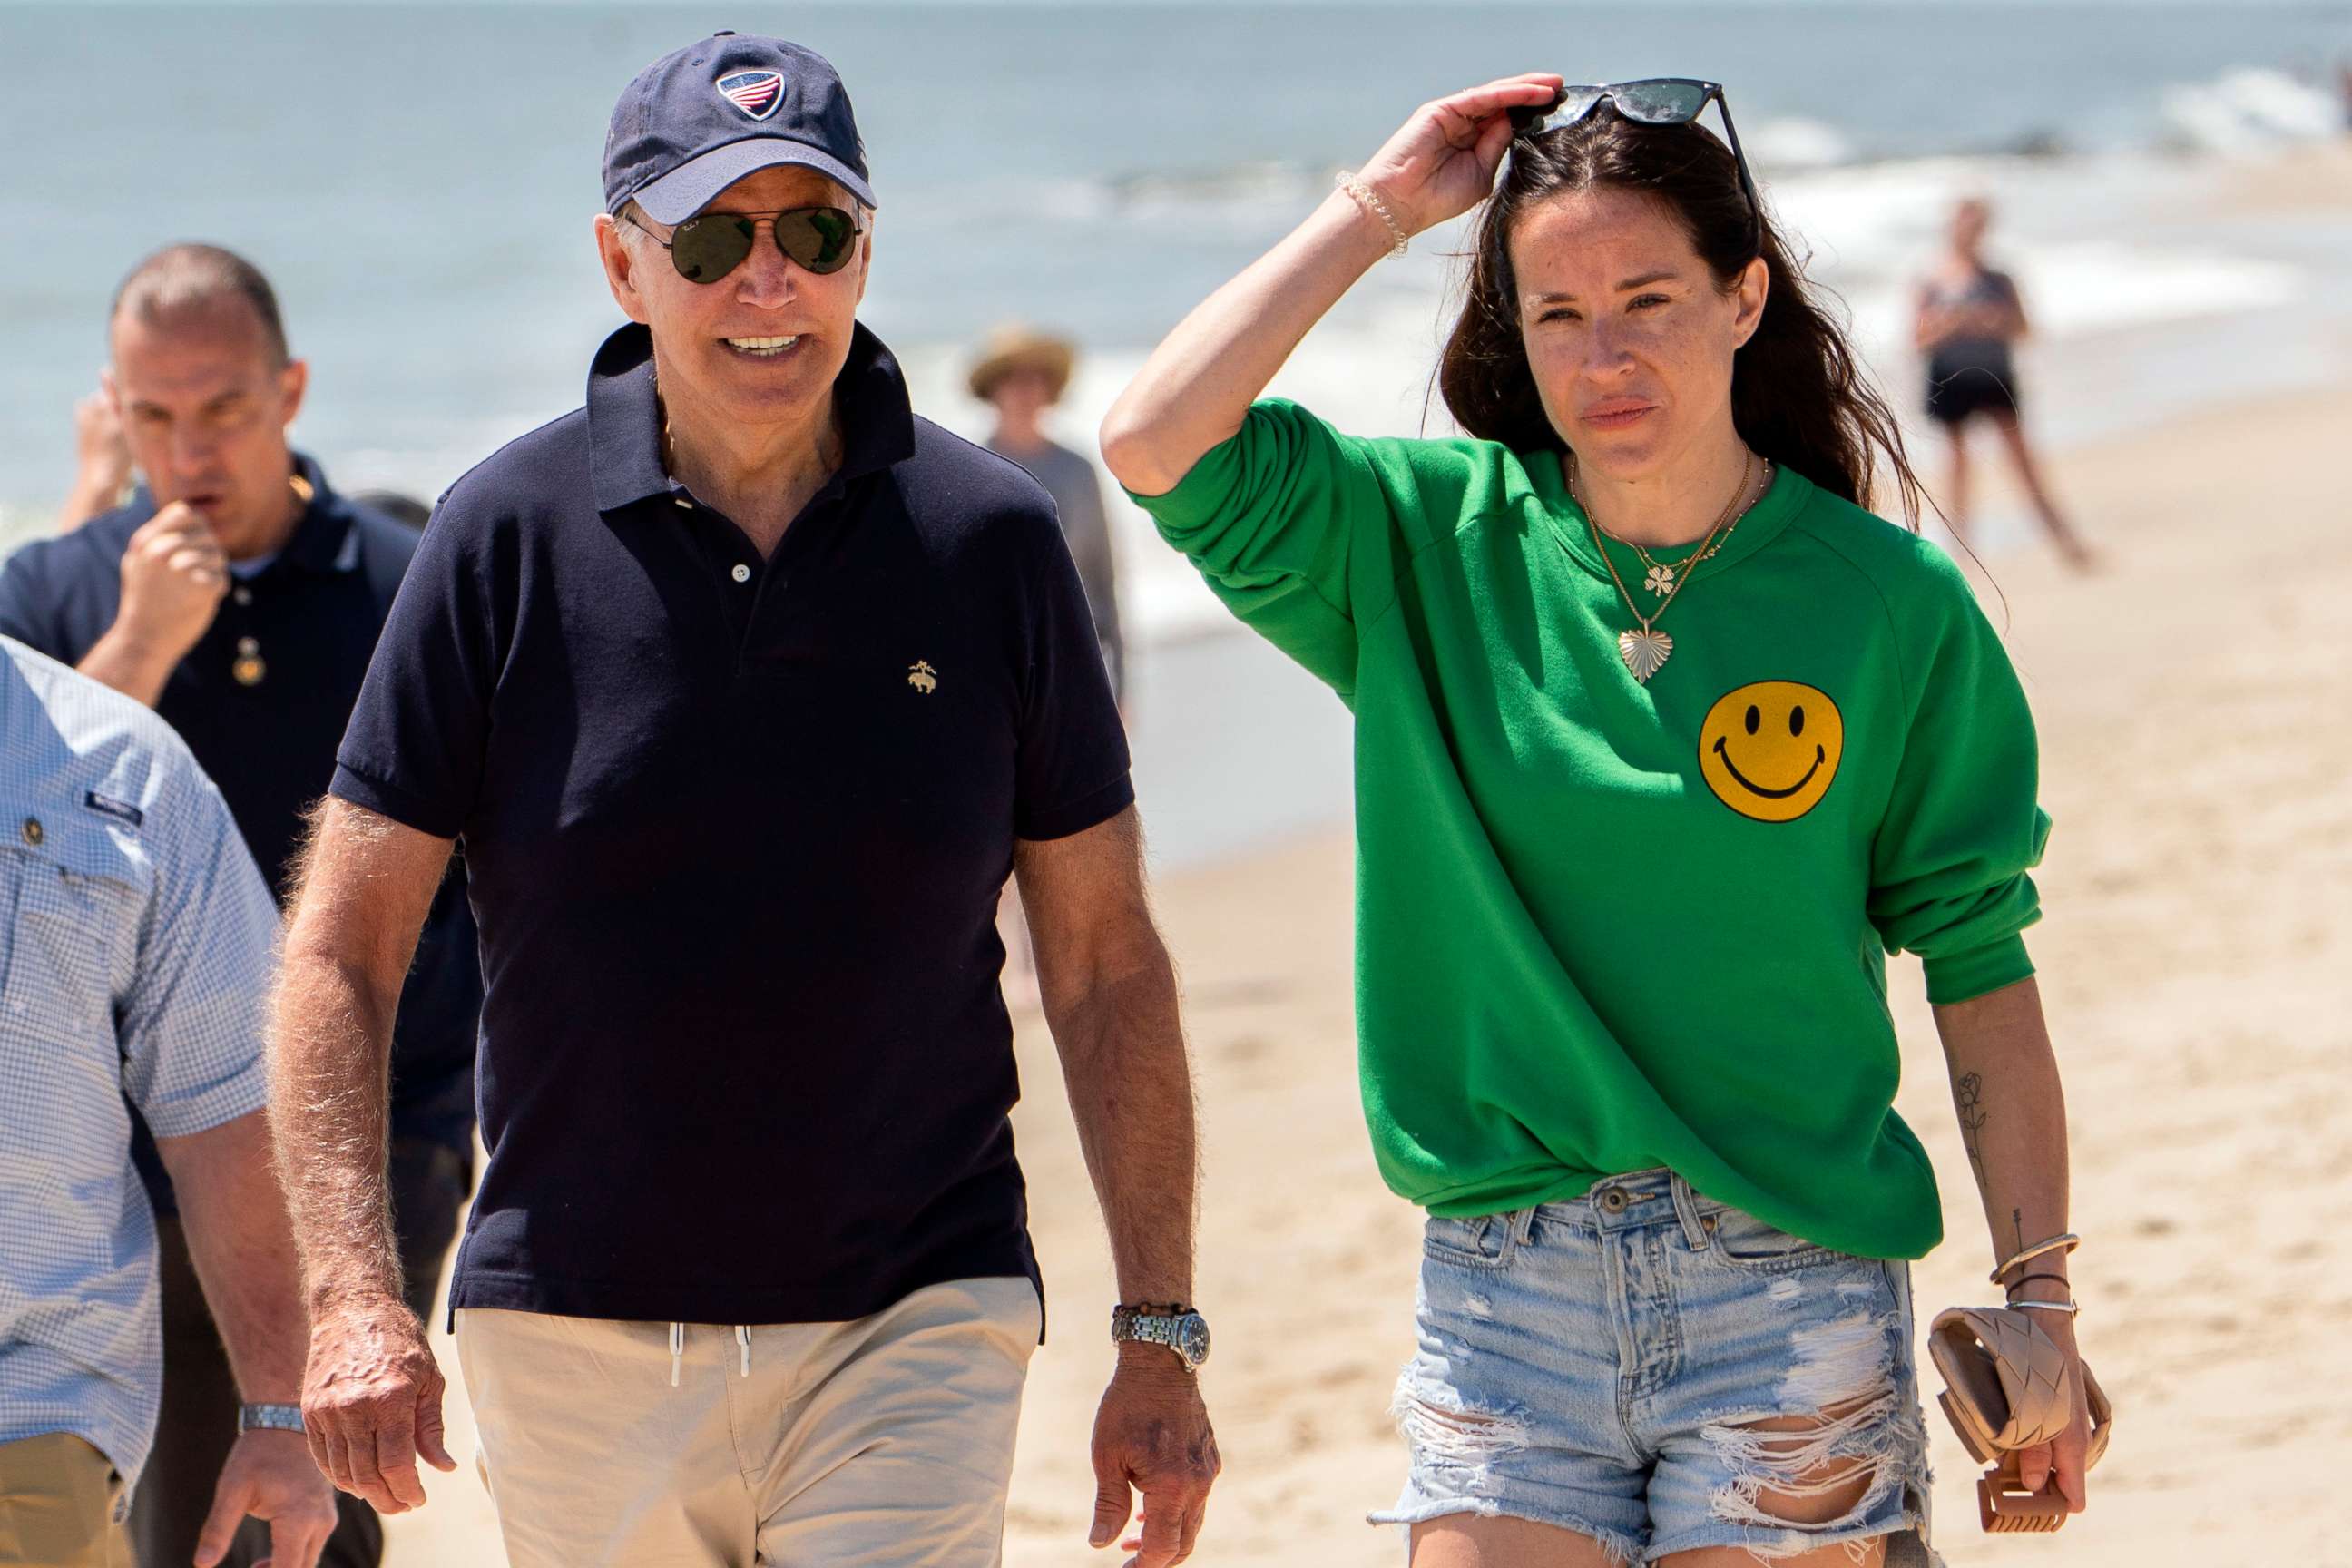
[1662, 742]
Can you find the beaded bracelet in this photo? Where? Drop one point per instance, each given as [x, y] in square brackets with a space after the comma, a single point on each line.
[1370, 201]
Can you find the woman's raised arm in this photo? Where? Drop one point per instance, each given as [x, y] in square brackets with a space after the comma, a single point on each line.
[1198, 385]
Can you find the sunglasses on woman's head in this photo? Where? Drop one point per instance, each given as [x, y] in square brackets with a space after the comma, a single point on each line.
[708, 247]
[1655, 100]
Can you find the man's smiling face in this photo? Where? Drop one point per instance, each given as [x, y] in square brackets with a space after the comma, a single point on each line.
[761, 345]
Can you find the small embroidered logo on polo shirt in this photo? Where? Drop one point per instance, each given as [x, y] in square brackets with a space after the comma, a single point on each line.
[120, 809]
[923, 678]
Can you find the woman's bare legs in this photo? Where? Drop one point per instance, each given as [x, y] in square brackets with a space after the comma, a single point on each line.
[1866, 1554]
[2029, 474]
[1470, 1540]
[1956, 480]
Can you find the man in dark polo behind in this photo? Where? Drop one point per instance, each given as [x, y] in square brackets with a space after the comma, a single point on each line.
[239, 596]
[745, 690]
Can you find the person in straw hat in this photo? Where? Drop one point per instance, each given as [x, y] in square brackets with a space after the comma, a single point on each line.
[1023, 373]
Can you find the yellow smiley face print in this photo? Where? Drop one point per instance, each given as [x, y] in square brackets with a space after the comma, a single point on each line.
[1770, 750]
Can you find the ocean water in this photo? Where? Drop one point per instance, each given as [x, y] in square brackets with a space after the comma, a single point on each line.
[418, 181]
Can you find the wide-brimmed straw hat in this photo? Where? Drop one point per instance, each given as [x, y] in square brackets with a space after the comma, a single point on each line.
[1011, 349]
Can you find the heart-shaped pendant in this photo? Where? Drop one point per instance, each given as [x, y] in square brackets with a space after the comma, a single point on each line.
[1645, 652]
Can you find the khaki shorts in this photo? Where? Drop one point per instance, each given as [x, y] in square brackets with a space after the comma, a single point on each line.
[58, 1501]
[882, 1443]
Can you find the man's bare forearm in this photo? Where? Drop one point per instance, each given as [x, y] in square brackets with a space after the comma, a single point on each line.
[2012, 1114]
[1130, 1087]
[1110, 997]
[234, 1215]
[365, 884]
[329, 1095]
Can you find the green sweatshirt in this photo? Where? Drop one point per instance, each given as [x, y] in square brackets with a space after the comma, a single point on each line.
[1606, 927]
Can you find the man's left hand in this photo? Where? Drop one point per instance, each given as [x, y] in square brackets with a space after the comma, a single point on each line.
[270, 1476]
[1152, 1436]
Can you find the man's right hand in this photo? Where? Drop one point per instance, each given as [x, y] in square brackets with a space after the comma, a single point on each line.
[267, 1477]
[173, 579]
[371, 1402]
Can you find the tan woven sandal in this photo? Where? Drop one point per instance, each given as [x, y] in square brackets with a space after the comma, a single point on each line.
[2007, 1389]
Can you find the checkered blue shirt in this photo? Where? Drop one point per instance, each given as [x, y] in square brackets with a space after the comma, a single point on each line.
[135, 954]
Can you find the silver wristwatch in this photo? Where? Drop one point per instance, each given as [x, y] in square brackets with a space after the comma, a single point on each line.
[1180, 1329]
[269, 1419]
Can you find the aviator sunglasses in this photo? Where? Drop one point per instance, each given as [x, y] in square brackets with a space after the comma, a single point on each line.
[707, 249]
[1655, 100]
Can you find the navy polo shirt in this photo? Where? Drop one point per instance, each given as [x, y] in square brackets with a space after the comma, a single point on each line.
[262, 700]
[736, 831]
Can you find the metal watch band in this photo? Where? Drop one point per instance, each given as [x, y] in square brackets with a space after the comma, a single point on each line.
[1180, 1330]
[269, 1419]
[1153, 1325]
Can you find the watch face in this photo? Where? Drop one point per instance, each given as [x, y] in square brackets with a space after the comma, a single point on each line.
[1193, 1338]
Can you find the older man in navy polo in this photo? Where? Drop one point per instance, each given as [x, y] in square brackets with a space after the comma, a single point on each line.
[745, 690]
[239, 596]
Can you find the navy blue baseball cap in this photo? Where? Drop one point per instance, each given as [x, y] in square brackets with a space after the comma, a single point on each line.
[696, 121]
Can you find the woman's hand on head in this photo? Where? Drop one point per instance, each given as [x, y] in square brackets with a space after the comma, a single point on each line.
[1442, 161]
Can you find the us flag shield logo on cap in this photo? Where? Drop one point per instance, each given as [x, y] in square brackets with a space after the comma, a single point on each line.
[756, 93]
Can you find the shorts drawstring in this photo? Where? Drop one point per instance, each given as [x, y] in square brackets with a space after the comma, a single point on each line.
[677, 1349]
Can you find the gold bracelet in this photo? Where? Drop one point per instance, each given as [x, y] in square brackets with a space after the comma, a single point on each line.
[1369, 199]
[2069, 1241]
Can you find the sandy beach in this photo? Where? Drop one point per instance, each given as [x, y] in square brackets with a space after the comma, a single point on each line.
[2191, 699]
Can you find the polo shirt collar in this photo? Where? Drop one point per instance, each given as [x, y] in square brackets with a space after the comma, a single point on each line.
[878, 419]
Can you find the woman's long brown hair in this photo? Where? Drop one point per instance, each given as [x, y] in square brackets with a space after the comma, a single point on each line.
[1799, 394]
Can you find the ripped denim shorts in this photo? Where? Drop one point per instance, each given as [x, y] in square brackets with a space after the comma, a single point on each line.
[1601, 1364]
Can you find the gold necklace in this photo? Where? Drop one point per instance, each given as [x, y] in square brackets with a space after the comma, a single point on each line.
[1660, 576]
[1645, 651]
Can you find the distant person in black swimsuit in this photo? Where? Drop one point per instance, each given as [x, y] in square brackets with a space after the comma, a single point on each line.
[1970, 316]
